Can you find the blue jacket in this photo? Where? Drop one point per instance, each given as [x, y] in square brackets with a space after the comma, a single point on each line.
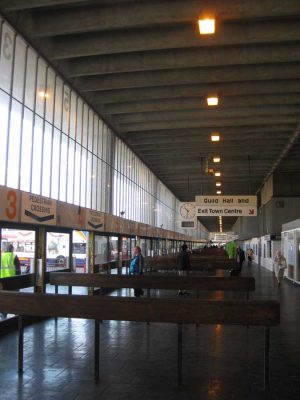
[136, 265]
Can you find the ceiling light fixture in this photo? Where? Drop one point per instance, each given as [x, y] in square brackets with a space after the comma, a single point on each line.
[218, 184]
[217, 173]
[212, 100]
[216, 159]
[219, 192]
[215, 137]
[207, 26]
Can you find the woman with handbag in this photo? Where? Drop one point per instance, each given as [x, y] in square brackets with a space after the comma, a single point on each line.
[279, 266]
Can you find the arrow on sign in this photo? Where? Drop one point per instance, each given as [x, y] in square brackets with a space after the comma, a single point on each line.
[251, 211]
[94, 226]
[37, 218]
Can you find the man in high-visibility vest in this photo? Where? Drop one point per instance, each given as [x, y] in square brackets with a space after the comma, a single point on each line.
[10, 264]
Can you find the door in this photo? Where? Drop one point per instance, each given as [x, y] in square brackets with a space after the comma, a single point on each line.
[58, 250]
[23, 242]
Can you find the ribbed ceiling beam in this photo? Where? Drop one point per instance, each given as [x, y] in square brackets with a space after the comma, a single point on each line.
[196, 90]
[182, 58]
[188, 76]
[200, 103]
[156, 13]
[209, 123]
[168, 38]
[217, 112]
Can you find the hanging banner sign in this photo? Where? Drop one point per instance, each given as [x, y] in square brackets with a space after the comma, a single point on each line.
[226, 200]
[226, 211]
[94, 220]
[38, 209]
[10, 204]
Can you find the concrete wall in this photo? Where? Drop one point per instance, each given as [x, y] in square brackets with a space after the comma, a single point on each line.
[286, 184]
[245, 227]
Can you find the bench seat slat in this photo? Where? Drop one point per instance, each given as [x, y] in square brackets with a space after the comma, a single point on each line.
[154, 282]
[228, 312]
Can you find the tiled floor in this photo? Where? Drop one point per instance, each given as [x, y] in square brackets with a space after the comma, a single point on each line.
[139, 361]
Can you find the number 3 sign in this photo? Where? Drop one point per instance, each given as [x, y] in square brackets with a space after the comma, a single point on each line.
[10, 204]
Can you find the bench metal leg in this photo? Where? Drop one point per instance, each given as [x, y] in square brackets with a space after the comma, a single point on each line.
[148, 296]
[56, 292]
[198, 295]
[97, 350]
[179, 355]
[21, 344]
[266, 359]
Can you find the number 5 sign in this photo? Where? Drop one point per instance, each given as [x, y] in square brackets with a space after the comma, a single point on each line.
[9, 204]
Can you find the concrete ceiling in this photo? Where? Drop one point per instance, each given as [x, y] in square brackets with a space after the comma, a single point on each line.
[145, 68]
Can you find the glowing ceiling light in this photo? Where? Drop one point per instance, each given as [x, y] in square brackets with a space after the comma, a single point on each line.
[216, 159]
[212, 100]
[217, 173]
[218, 184]
[219, 192]
[207, 26]
[215, 137]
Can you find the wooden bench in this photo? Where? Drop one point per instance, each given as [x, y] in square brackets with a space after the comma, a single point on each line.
[189, 311]
[227, 283]
[17, 282]
[167, 264]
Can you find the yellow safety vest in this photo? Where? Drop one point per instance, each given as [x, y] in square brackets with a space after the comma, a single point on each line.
[7, 265]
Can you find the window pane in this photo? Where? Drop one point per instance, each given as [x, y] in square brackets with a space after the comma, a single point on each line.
[58, 102]
[100, 186]
[101, 249]
[90, 179]
[41, 88]
[91, 130]
[37, 156]
[6, 57]
[94, 183]
[55, 163]
[50, 95]
[14, 145]
[26, 150]
[46, 172]
[71, 160]
[4, 104]
[19, 69]
[96, 132]
[30, 78]
[83, 177]
[66, 110]
[79, 120]
[85, 125]
[77, 174]
[63, 169]
[73, 107]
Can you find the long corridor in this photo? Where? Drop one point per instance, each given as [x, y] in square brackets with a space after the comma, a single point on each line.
[139, 361]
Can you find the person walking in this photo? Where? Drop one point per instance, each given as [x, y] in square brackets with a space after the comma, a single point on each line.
[10, 263]
[241, 257]
[249, 256]
[136, 267]
[183, 266]
[279, 266]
